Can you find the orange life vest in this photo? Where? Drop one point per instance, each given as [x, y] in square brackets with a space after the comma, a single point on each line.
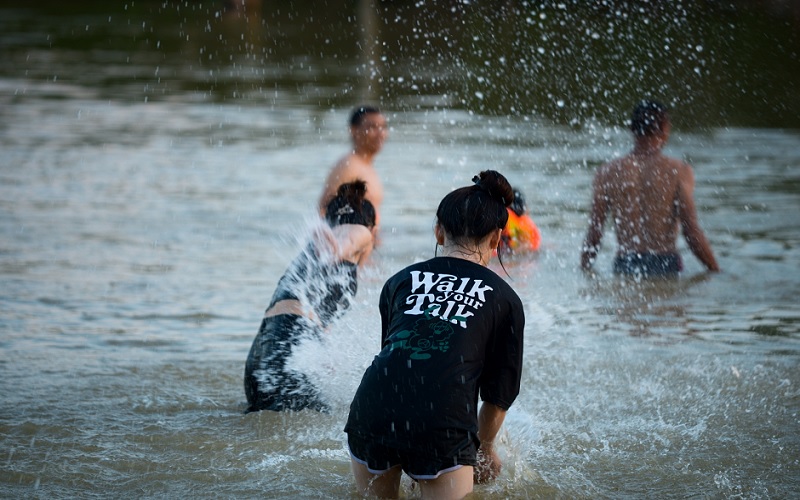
[521, 233]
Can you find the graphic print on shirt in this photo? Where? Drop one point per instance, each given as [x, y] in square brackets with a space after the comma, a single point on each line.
[443, 300]
[446, 296]
[422, 345]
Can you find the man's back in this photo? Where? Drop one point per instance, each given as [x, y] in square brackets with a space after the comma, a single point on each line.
[649, 195]
[642, 192]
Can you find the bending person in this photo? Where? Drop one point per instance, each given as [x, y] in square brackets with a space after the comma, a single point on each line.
[650, 196]
[316, 289]
[451, 329]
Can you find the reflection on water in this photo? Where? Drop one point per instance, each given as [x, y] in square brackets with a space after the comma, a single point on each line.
[652, 307]
[161, 163]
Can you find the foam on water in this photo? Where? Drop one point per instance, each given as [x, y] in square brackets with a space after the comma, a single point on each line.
[617, 379]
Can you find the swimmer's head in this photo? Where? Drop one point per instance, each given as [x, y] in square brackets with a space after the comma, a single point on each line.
[470, 213]
[518, 205]
[350, 207]
[368, 130]
[360, 112]
[649, 118]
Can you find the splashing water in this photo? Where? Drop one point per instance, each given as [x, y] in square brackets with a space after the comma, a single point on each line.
[158, 164]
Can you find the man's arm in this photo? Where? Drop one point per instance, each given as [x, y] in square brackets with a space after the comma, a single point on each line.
[694, 235]
[490, 419]
[591, 244]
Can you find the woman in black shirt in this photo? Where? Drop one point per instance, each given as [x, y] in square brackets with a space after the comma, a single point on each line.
[452, 330]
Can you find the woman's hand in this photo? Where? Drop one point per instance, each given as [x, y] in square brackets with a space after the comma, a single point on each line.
[488, 467]
[490, 419]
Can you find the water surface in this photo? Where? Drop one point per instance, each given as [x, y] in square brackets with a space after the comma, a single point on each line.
[145, 222]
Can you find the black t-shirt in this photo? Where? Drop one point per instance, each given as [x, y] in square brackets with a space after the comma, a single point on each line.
[451, 328]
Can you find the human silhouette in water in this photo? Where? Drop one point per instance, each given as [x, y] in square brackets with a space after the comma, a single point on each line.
[650, 196]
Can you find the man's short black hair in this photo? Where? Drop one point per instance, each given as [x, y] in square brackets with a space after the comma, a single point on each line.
[648, 118]
[360, 112]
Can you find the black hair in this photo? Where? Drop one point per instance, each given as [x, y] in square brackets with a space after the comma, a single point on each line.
[350, 207]
[360, 112]
[470, 213]
[518, 205]
[648, 118]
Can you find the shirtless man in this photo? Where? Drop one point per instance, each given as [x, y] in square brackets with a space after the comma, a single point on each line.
[649, 195]
[368, 131]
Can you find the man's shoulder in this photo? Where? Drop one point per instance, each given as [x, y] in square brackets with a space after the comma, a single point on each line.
[617, 163]
[344, 170]
[352, 163]
[611, 166]
[680, 167]
[344, 162]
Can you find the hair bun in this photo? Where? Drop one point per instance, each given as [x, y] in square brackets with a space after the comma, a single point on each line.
[350, 206]
[353, 191]
[495, 185]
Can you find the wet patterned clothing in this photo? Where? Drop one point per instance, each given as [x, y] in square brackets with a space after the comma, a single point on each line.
[268, 383]
[324, 288]
[648, 264]
[451, 330]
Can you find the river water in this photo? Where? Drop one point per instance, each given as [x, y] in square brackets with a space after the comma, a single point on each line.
[144, 222]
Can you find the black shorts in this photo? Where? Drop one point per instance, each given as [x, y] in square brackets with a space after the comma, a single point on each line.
[429, 461]
[268, 383]
[648, 264]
